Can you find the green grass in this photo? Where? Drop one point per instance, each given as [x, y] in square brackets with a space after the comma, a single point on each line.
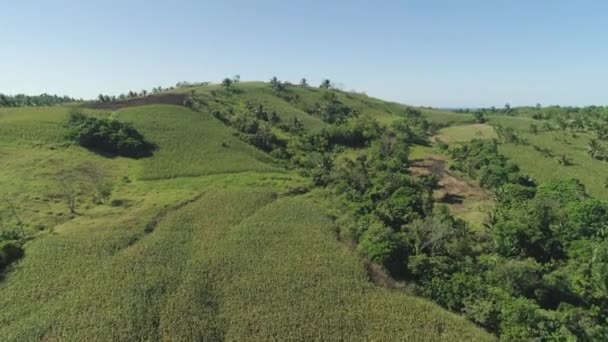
[447, 118]
[464, 133]
[515, 122]
[32, 125]
[191, 143]
[592, 173]
[237, 263]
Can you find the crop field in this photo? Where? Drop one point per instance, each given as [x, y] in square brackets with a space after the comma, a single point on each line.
[191, 144]
[190, 277]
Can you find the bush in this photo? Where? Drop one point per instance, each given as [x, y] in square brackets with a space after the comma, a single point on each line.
[9, 252]
[357, 133]
[381, 244]
[108, 136]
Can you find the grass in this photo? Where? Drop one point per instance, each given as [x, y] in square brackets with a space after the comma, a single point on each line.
[237, 263]
[33, 126]
[191, 144]
[201, 242]
[464, 133]
[446, 118]
[592, 173]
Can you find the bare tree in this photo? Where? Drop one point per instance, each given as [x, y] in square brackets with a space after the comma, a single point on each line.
[13, 211]
[68, 188]
[99, 180]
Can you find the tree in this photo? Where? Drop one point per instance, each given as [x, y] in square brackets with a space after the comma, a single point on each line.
[326, 84]
[594, 149]
[107, 136]
[295, 125]
[303, 83]
[69, 187]
[99, 180]
[236, 79]
[533, 129]
[227, 84]
[380, 243]
[276, 85]
[479, 118]
[13, 211]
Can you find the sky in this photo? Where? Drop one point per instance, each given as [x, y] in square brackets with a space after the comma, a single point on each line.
[433, 53]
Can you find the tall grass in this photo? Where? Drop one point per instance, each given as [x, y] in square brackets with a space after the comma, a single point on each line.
[191, 143]
[236, 264]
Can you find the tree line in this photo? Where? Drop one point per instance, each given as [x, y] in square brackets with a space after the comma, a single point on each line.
[22, 100]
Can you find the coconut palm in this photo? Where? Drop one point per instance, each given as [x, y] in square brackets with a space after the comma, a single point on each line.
[594, 148]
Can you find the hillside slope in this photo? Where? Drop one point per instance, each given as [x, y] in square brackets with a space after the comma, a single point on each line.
[205, 240]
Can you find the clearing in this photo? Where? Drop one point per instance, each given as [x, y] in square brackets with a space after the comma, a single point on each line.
[466, 199]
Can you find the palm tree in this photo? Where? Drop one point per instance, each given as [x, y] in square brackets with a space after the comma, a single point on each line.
[326, 84]
[594, 148]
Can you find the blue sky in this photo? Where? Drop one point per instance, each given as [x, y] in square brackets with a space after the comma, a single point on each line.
[434, 53]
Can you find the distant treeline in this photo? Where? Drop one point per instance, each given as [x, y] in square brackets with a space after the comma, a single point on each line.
[541, 113]
[105, 98]
[22, 100]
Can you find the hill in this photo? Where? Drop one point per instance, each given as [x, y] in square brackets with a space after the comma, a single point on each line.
[209, 238]
[278, 211]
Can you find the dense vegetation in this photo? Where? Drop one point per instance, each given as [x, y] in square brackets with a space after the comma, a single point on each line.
[22, 100]
[517, 281]
[108, 136]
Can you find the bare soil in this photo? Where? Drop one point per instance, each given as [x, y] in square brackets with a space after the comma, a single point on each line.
[452, 190]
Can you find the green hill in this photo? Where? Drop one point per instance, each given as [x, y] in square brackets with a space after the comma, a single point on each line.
[210, 238]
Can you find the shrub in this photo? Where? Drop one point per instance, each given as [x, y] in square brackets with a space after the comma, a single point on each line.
[357, 133]
[381, 244]
[108, 136]
[9, 252]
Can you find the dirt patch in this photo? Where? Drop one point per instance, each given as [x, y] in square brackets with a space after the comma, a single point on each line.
[170, 99]
[452, 190]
